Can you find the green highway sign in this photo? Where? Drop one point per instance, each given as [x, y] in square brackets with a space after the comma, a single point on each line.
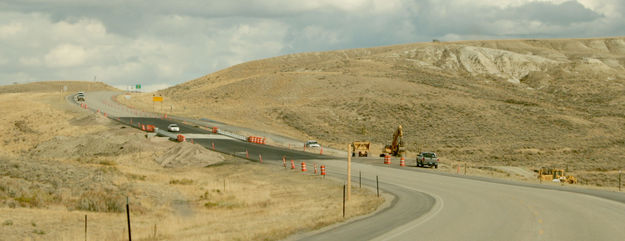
[138, 86]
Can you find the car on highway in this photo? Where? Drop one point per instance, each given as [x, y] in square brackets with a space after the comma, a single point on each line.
[80, 96]
[173, 128]
[427, 159]
[312, 143]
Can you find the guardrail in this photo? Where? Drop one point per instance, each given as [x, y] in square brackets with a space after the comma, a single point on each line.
[232, 135]
[160, 132]
[219, 131]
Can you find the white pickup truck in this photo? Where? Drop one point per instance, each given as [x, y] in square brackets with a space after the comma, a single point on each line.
[312, 143]
[427, 159]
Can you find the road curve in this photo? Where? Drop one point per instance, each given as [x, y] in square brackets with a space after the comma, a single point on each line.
[431, 206]
[482, 209]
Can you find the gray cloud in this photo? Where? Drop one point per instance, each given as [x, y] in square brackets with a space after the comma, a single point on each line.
[159, 42]
[565, 13]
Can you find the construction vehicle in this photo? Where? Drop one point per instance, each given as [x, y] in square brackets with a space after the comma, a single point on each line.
[556, 175]
[362, 147]
[397, 147]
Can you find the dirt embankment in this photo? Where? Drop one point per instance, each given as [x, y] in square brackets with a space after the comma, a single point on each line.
[526, 103]
[61, 163]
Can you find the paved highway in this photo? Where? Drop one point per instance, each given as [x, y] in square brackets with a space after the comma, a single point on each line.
[469, 209]
[229, 145]
[431, 206]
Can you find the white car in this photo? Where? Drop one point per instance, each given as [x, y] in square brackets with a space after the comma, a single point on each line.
[173, 128]
[80, 96]
[311, 143]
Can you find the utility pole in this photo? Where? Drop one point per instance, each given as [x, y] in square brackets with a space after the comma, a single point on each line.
[349, 171]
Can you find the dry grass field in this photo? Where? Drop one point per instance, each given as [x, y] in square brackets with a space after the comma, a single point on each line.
[521, 103]
[59, 163]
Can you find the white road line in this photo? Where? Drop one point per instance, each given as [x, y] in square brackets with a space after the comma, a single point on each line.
[438, 206]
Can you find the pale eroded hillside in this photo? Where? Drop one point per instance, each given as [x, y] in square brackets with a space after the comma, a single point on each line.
[510, 102]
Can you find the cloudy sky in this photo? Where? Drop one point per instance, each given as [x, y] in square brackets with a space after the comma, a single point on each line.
[159, 43]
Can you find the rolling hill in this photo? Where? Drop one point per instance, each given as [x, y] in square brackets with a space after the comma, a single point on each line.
[532, 103]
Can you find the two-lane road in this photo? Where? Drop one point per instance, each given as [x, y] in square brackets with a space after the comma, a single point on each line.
[229, 145]
[433, 206]
[486, 209]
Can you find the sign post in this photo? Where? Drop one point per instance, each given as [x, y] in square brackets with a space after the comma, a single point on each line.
[157, 99]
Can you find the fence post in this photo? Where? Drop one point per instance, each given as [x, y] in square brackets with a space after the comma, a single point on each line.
[128, 218]
[85, 227]
[377, 185]
[360, 179]
[465, 168]
[619, 180]
[343, 200]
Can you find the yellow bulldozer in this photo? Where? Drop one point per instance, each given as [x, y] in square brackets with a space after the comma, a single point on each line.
[397, 147]
[360, 147]
[556, 175]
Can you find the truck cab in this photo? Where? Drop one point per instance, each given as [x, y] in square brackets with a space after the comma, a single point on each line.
[429, 159]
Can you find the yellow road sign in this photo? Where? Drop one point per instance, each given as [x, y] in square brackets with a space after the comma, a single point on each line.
[157, 98]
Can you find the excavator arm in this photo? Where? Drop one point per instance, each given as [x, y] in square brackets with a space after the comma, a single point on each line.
[397, 136]
[396, 148]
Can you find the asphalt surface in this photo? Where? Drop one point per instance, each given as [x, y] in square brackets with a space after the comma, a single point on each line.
[227, 145]
[432, 206]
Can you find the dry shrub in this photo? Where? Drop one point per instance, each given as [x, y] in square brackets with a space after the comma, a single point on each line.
[183, 181]
[39, 183]
[101, 200]
[601, 179]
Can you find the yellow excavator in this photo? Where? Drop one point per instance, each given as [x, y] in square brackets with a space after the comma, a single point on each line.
[397, 147]
[552, 174]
